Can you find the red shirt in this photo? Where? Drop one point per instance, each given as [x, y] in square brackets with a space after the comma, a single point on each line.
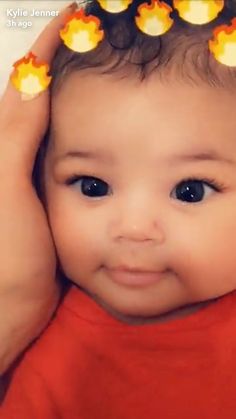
[88, 365]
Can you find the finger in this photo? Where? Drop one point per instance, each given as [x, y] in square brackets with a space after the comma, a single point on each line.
[44, 48]
[23, 123]
[51, 35]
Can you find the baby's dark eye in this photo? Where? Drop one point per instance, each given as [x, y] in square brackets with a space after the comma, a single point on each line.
[192, 190]
[90, 186]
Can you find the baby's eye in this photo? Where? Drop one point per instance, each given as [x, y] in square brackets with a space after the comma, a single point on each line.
[193, 190]
[90, 186]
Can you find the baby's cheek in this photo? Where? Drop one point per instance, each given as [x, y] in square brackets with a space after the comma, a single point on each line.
[80, 246]
[204, 261]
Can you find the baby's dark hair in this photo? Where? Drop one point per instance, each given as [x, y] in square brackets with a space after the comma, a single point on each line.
[125, 51]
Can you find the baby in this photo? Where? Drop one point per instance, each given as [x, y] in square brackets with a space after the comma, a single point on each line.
[138, 183]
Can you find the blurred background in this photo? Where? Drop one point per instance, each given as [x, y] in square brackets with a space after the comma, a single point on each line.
[17, 34]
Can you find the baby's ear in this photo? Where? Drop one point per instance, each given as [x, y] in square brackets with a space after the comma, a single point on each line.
[37, 175]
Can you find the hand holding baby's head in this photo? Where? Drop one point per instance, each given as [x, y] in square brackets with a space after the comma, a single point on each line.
[139, 171]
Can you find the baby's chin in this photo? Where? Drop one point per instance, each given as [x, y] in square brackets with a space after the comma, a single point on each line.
[140, 317]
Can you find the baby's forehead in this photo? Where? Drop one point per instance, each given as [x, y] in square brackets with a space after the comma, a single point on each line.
[184, 76]
[110, 113]
[93, 93]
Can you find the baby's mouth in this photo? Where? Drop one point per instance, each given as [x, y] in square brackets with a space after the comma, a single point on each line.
[134, 277]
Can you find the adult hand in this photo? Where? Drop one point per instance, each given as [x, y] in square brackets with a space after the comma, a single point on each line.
[29, 291]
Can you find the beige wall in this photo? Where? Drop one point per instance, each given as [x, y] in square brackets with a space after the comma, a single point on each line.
[15, 41]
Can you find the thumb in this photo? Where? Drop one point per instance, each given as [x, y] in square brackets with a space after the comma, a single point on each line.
[23, 122]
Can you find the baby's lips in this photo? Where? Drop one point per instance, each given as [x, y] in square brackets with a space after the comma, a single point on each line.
[29, 77]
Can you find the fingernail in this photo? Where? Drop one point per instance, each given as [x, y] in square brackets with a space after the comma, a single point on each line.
[73, 4]
[70, 7]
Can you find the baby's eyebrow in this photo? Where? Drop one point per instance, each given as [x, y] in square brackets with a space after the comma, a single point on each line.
[209, 155]
[83, 154]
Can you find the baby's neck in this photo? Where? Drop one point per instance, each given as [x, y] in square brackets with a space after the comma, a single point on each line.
[163, 318]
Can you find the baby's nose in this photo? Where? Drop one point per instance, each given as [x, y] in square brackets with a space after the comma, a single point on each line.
[138, 222]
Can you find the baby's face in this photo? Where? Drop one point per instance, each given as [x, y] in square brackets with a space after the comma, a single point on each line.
[119, 192]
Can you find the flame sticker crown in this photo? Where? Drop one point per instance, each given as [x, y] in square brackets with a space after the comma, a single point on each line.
[198, 12]
[81, 32]
[223, 46]
[154, 19]
[30, 78]
[114, 6]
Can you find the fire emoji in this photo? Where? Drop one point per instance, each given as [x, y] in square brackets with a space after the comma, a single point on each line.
[198, 12]
[223, 46]
[30, 78]
[81, 33]
[154, 19]
[115, 6]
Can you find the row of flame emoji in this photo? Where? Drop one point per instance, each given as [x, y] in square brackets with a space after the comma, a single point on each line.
[82, 33]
